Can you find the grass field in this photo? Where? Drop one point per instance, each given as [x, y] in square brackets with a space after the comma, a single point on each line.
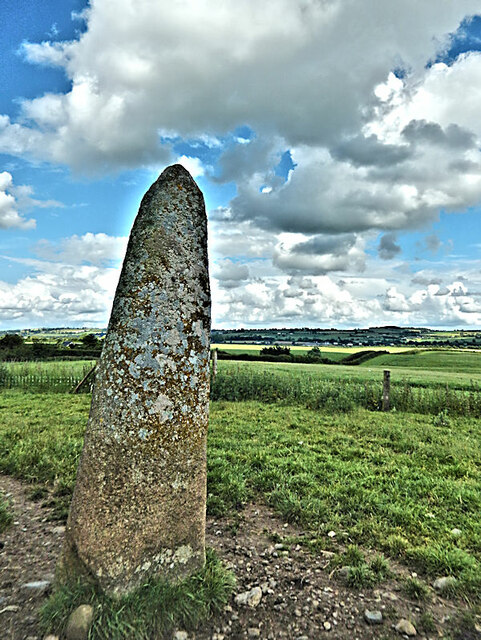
[44, 376]
[396, 483]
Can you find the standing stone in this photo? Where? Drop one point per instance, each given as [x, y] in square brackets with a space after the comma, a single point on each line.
[138, 508]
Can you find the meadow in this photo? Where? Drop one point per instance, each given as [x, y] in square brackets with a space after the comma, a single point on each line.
[310, 441]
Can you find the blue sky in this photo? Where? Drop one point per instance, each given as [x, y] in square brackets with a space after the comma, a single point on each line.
[337, 146]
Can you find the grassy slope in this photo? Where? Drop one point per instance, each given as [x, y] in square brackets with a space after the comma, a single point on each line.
[397, 482]
[453, 361]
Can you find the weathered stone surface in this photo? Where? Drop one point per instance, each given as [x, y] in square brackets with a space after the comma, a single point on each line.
[406, 628]
[138, 507]
[250, 598]
[444, 583]
[79, 623]
[373, 617]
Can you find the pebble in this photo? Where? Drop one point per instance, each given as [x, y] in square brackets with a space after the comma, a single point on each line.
[253, 632]
[327, 625]
[79, 623]
[51, 637]
[331, 534]
[456, 532]
[10, 608]
[39, 586]
[372, 617]
[180, 635]
[443, 583]
[250, 598]
[405, 627]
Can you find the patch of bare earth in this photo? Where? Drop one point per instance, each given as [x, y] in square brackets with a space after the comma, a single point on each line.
[283, 589]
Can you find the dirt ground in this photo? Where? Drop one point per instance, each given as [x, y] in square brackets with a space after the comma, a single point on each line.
[294, 594]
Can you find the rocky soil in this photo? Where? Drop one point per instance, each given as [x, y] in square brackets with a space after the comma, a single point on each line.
[283, 589]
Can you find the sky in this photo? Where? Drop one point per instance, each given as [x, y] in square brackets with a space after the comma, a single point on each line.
[337, 144]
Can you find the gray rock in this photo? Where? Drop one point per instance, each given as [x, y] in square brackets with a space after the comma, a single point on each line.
[441, 584]
[372, 617]
[138, 508]
[456, 532]
[10, 608]
[249, 598]
[79, 623]
[181, 635]
[39, 587]
[405, 627]
[253, 632]
[51, 637]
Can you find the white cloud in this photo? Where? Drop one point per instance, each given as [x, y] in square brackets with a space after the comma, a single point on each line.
[320, 254]
[230, 274]
[10, 217]
[284, 67]
[374, 153]
[93, 248]
[58, 295]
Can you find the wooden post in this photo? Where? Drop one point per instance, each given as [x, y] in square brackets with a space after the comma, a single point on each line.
[84, 381]
[386, 387]
[214, 364]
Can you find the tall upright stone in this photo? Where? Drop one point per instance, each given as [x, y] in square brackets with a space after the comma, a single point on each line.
[138, 508]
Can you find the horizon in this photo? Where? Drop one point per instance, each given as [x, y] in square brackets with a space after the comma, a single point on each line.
[265, 328]
[340, 169]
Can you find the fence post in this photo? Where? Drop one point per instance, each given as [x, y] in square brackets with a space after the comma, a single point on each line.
[386, 387]
[214, 364]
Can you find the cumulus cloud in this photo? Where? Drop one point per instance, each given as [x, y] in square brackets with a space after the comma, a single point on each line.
[57, 295]
[93, 248]
[373, 153]
[10, 217]
[231, 274]
[388, 248]
[320, 254]
[148, 68]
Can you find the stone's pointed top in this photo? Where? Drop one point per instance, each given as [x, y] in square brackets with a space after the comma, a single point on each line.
[175, 172]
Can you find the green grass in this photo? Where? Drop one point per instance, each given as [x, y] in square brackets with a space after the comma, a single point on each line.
[149, 612]
[342, 388]
[396, 483]
[41, 439]
[444, 360]
[60, 376]
[6, 515]
[416, 589]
